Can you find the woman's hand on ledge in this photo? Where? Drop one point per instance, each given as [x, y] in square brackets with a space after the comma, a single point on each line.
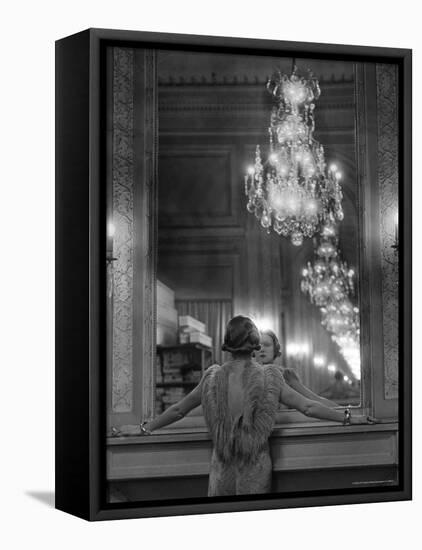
[127, 430]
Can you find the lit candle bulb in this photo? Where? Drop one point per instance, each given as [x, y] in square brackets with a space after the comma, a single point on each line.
[396, 228]
[111, 229]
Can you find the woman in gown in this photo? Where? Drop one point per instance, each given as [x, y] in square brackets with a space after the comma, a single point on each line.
[240, 400]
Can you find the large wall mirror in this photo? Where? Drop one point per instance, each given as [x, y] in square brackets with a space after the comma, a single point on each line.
[190, 244]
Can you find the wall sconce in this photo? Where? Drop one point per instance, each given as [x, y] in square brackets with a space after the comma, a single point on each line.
[110, 234]
[396, 233]
[110, 258]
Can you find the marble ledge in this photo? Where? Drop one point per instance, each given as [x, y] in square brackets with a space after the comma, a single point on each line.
[293, 430]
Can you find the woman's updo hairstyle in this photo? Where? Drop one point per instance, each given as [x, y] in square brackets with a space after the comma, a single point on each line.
[276, 342]
[242, 336]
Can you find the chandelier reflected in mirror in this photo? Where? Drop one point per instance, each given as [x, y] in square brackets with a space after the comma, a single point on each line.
[330, 284]
[293, 191]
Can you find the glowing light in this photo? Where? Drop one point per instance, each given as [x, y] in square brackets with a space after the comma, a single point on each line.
[296, 349]
[264, 323]
[396, 229]
[333, 168]
[328, 231]
[311, 207]
[292, 349]
[292, 204]
[319, 360]
[297, 238]
[295, 91]
[346, 378]
[332, 367]
[283, 169]
[251, 170]
[304, 348]
[111, 229]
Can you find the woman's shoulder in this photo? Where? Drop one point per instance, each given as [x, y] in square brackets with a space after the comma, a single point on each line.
[290, 375]
[212, 369]
[274, 372]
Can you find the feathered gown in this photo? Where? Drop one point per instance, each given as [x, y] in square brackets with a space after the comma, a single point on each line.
[241, 461]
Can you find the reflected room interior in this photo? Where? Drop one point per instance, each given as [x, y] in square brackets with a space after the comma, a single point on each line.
[215, 259]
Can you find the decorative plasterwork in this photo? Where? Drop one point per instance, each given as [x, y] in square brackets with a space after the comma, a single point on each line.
[388, 193]
[122, 182]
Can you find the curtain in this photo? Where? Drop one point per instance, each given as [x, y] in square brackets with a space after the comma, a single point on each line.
[215, 314]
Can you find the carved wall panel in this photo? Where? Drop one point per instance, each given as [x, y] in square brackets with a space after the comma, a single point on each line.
[388, 192]
[132, 203]
[123, 220]
[196, 185]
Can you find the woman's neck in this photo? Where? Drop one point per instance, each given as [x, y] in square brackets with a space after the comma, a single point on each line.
[241, 356]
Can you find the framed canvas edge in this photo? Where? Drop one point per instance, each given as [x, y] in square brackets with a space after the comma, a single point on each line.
[92, 455]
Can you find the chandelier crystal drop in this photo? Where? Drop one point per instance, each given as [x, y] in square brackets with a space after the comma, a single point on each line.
[293, 191]
[330, 285]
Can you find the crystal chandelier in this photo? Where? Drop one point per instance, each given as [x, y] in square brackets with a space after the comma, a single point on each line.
[328, 279]
[293, 191]
[330, 285]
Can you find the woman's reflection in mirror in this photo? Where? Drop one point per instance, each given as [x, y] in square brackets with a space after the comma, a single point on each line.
[270, 353]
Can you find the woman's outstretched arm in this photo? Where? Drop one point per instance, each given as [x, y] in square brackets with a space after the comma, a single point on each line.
[293, 399]
[293, 380]
[176, 411]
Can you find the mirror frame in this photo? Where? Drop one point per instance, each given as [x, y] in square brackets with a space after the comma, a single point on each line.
[137, 80]
[81, 276]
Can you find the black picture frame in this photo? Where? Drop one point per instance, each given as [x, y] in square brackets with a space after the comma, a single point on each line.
[80, 277]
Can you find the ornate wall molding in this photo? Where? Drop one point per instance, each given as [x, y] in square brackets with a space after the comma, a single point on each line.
[123, 220]
[133, 132]
[147, 229]
[386, 76]
[246, 107]
[233, 80]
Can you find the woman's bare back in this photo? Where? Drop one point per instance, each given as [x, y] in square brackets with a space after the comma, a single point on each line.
[240, 401]
[235, 388]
